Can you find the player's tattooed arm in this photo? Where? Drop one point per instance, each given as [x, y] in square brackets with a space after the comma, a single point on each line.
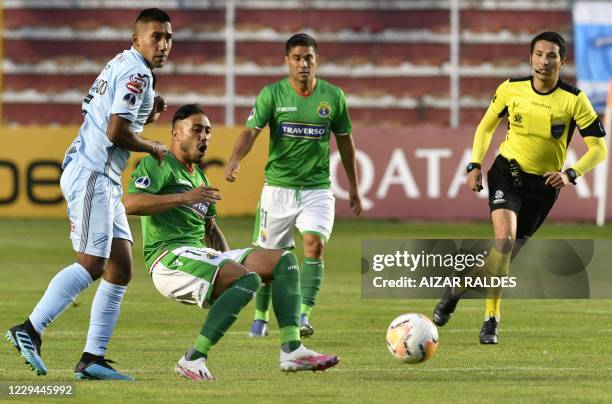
[213, 237]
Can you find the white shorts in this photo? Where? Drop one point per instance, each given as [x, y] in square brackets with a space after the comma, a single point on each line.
[186, 274]
[95, 210]
[280, 209]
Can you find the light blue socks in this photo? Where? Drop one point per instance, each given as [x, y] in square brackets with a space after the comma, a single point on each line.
[104, 314]
[61, 292]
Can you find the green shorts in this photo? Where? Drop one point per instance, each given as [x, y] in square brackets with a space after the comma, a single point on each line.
[186, 274]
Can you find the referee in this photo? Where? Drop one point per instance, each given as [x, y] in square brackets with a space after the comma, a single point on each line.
[526, 177]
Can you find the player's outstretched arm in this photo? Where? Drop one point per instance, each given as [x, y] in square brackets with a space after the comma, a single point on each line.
[213, 237]
[346, 148]
[121, 134]
[242, 147]
[145, 204]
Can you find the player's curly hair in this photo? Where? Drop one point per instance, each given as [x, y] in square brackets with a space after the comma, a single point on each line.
[186, 111]
[550, 36]
[300, 39]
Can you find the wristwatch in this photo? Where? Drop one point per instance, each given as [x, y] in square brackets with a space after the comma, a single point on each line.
[472, 166]
[571, 175]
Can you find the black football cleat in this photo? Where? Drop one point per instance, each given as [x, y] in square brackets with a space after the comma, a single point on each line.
[92, 367]
[27, 341]
[488, 332]
[445, 308]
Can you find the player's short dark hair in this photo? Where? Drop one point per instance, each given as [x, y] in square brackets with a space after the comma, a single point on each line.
[550, 36]
[300, 39]
[186, 111]
[152, 14]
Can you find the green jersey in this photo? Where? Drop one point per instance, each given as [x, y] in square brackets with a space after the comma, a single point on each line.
[179, 226]
[300, 127]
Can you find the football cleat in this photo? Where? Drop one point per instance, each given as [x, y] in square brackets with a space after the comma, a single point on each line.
[193, 370]
[305, 359]
[27, 341]
[259, 328]
[488, 332]
[445, 308]
[98, 369]
[306, 330]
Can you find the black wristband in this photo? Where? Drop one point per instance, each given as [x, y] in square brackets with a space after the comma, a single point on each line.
[571, 175]
[472, 166]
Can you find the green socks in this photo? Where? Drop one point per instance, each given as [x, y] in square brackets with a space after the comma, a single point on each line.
[311, 277]
[262, 302]
[286, 299]
[224, 312]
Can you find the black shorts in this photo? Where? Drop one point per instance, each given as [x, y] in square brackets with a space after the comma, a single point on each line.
[523, 193]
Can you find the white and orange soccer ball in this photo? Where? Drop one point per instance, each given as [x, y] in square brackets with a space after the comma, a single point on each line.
[412, 338]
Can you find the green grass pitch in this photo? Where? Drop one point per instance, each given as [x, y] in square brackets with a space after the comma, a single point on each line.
[549, 351]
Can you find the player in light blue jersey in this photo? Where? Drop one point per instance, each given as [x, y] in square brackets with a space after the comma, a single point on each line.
[119, 103]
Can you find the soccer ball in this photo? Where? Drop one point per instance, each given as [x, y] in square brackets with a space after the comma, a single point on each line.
[412, 338]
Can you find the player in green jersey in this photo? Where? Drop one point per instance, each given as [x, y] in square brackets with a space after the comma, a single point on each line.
[178, 208]
[301, 110]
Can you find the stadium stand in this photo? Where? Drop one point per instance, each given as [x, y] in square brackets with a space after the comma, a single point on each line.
[391, 57]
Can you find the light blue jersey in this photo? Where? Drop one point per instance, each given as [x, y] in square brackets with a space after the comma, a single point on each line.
[124, 88]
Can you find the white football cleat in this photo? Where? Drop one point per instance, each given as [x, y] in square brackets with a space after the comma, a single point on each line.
[305, 359]
[193, 370]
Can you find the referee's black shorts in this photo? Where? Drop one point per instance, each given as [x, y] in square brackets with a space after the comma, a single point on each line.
[524, 193]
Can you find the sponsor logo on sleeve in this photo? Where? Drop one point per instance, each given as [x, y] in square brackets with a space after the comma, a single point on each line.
[302, 130]
[142, 182]
[136, 83]
[129, 99]
[251, 114]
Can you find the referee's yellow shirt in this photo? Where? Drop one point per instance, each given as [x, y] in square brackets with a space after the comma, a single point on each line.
[540, 125]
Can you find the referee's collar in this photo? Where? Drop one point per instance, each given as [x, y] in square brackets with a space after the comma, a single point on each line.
[548, 92]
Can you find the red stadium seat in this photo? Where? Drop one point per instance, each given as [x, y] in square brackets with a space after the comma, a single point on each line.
[362, 50]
